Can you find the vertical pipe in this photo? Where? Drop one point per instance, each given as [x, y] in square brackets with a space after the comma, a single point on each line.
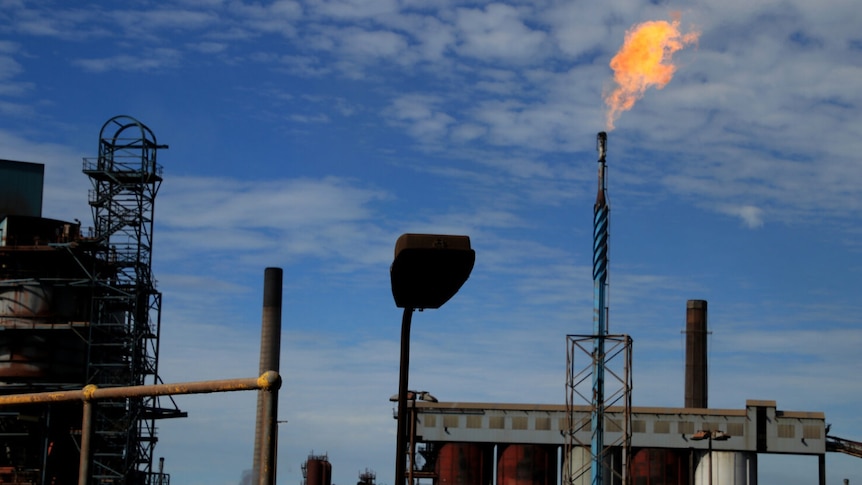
[403, 373]
[627, 454]
[601, 213]
[86, 435]
[267, 438]
[270, 350]
[412, 453]
[46, 447]
[696, 375]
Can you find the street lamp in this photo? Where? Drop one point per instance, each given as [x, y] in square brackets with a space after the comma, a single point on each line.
[710, 434]
[427, 271]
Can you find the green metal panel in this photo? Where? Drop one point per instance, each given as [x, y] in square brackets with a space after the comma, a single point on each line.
[21, 188]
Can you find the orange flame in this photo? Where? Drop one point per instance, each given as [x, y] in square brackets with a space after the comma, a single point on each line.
[644, 61]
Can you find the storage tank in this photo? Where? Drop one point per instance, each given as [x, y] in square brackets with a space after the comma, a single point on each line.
[464, 464]
[656, 466]
[31, 348]
[581, 464]
[527, 465]
[728, 468]
[317, 470]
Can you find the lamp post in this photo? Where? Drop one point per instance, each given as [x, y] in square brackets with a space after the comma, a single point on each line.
[427, 271]
[710, 434]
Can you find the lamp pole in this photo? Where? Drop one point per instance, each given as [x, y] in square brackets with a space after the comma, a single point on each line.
[412, 451]
[427, 271]
[403, 373]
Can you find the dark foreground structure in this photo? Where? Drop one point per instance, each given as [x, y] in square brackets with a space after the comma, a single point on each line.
[79, 306]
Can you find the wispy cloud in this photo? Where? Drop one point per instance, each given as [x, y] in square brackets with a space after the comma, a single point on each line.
[750, 215]
[497, 32]
[285, 219]
[141, 62]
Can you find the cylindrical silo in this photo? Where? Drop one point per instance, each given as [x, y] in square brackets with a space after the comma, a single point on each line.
[318, 471]
[656, 466]
[464, 464]
[527, 465]
[728, 468]
[32, 349]
[580, 464]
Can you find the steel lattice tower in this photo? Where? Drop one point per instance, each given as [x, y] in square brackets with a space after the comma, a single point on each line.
[126, 313]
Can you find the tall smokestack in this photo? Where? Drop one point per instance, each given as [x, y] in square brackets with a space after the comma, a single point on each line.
[696, 384]
[270, 355]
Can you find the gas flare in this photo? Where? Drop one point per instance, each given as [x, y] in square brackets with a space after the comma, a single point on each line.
[644, 61]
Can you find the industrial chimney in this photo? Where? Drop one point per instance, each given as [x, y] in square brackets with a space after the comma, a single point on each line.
[696, 384]
[270, 356]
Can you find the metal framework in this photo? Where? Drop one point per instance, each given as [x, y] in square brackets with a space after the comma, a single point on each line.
[581, 360]
[126, 307]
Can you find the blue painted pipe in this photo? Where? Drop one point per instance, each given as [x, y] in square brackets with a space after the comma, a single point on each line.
[601, 216]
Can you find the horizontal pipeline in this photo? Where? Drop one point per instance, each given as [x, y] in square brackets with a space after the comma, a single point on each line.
[269, 380]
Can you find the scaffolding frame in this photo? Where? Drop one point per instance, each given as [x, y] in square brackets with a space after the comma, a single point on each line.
[581, 360]
[125, 321]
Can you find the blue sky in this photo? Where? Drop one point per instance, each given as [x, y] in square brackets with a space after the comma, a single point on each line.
[309, 135]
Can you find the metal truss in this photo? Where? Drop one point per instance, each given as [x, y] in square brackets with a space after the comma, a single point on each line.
[580, 363]
[126, 313]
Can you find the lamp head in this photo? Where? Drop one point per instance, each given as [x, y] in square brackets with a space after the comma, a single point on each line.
[429, 269]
